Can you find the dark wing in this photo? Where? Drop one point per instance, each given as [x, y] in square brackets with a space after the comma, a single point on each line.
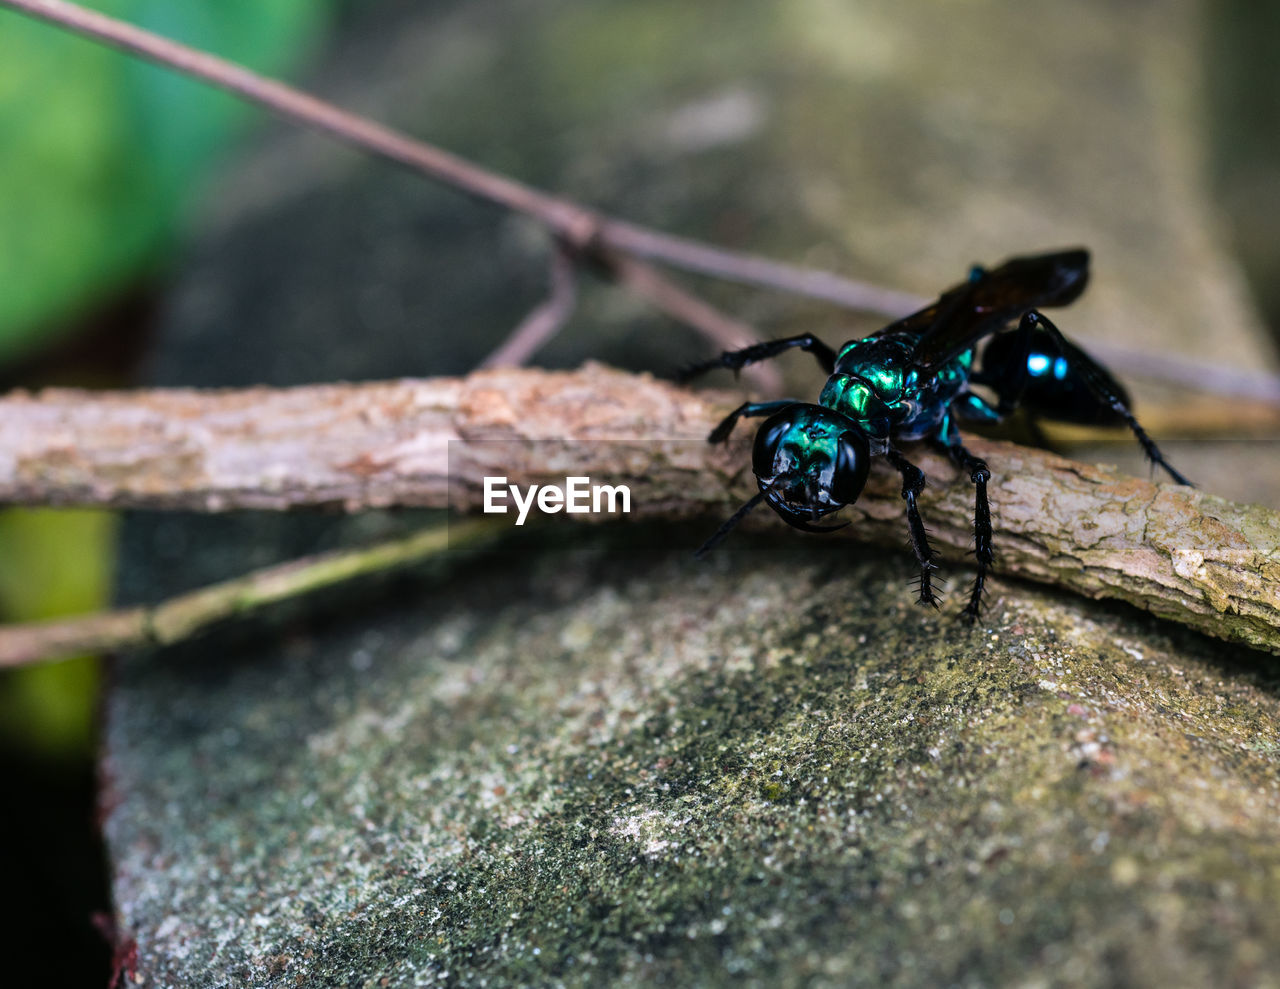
[990, 300]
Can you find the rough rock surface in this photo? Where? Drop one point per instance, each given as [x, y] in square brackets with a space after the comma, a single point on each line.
[604, 764]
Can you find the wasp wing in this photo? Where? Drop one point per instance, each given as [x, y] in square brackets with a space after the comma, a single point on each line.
[990, 300]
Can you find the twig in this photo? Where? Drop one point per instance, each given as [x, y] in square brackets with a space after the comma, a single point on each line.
[585, 230]
[747, 269]
[185, 615]
[1181, 553]
[545, 321]
[666, 296]
[576, 225]
[642, 279]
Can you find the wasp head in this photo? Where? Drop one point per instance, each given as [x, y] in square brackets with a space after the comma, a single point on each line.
[809, 461]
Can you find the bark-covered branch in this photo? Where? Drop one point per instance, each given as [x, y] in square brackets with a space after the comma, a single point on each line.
[1183, 554]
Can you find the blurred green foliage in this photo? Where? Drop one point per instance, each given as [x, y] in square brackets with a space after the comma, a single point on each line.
[102, 153]
[102, 156]
[55, 562]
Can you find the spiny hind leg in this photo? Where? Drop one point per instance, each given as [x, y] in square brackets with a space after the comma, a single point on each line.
[984, 553]
[1088, 370]
[912, 485]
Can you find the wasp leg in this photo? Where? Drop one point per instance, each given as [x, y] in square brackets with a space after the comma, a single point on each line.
[1010, 389]
[736, 360]
[1089, 372]
[722, 431]
[912, 485]
[979, 474]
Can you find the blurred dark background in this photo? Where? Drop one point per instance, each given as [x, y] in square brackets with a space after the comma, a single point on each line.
[113, 242]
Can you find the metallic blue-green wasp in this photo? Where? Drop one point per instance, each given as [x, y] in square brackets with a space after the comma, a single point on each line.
[911, 381]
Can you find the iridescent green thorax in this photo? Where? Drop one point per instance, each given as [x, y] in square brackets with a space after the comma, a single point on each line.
[874, 385]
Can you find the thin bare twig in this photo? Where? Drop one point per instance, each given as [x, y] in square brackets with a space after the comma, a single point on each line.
[582, 232]
[666, 296]
[643, 280]
[1178, 552]
[184, 616]
[583, 229]
[545, 321]
[747, 269]
[580, 227]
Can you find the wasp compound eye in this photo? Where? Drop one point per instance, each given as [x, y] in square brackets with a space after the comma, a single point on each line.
[853, 458]
[764, 452]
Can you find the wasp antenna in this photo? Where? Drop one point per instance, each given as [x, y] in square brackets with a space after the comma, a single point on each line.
[728, 526]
